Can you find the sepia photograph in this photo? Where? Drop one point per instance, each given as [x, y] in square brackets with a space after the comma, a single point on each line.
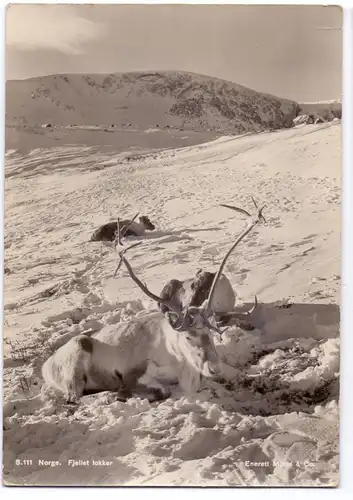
[172, 245]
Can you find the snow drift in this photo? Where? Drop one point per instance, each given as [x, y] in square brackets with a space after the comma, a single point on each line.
[274, 419]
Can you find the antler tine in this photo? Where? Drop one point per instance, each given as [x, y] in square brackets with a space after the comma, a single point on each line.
[241, 315]
[245, 212]
[216, 329]
[138, 282]
[118, 235]
[254, 202]
[241, 210]
[259, 218]
[128, 225]
[259, 214]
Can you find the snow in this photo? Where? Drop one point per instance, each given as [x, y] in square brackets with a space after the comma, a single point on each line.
[274, 419]
[329, 101]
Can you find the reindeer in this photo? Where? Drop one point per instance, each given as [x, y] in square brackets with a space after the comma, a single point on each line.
[108, 231]
[148, 353]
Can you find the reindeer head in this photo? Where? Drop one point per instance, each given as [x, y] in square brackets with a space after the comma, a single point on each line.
[145, 221]
[196, 323]
[193, 326]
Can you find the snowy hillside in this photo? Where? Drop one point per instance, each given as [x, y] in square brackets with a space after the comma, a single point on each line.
[278, 406]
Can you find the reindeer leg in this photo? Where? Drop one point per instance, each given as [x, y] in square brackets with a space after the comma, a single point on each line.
[75, 390]
[74, 376]
[153, 389]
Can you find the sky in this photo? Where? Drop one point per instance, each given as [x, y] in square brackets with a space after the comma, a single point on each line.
[288, 51]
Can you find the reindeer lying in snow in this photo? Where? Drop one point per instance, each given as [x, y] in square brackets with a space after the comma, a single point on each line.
[155, 350]
[108, 231]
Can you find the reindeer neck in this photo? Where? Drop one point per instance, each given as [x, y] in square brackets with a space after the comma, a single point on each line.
[138, 228]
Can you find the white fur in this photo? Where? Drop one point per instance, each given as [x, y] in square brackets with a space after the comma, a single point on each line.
[138, 228]
[66, 368]
[223, 300]
[224, 296]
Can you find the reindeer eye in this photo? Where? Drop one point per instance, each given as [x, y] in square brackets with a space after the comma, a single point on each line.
[190, 335]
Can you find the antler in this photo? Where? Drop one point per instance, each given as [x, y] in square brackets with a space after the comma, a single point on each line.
[183, 317]
[139, 283]
[259, 218]
[121, 253]
[215, 328]
[242, 211]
